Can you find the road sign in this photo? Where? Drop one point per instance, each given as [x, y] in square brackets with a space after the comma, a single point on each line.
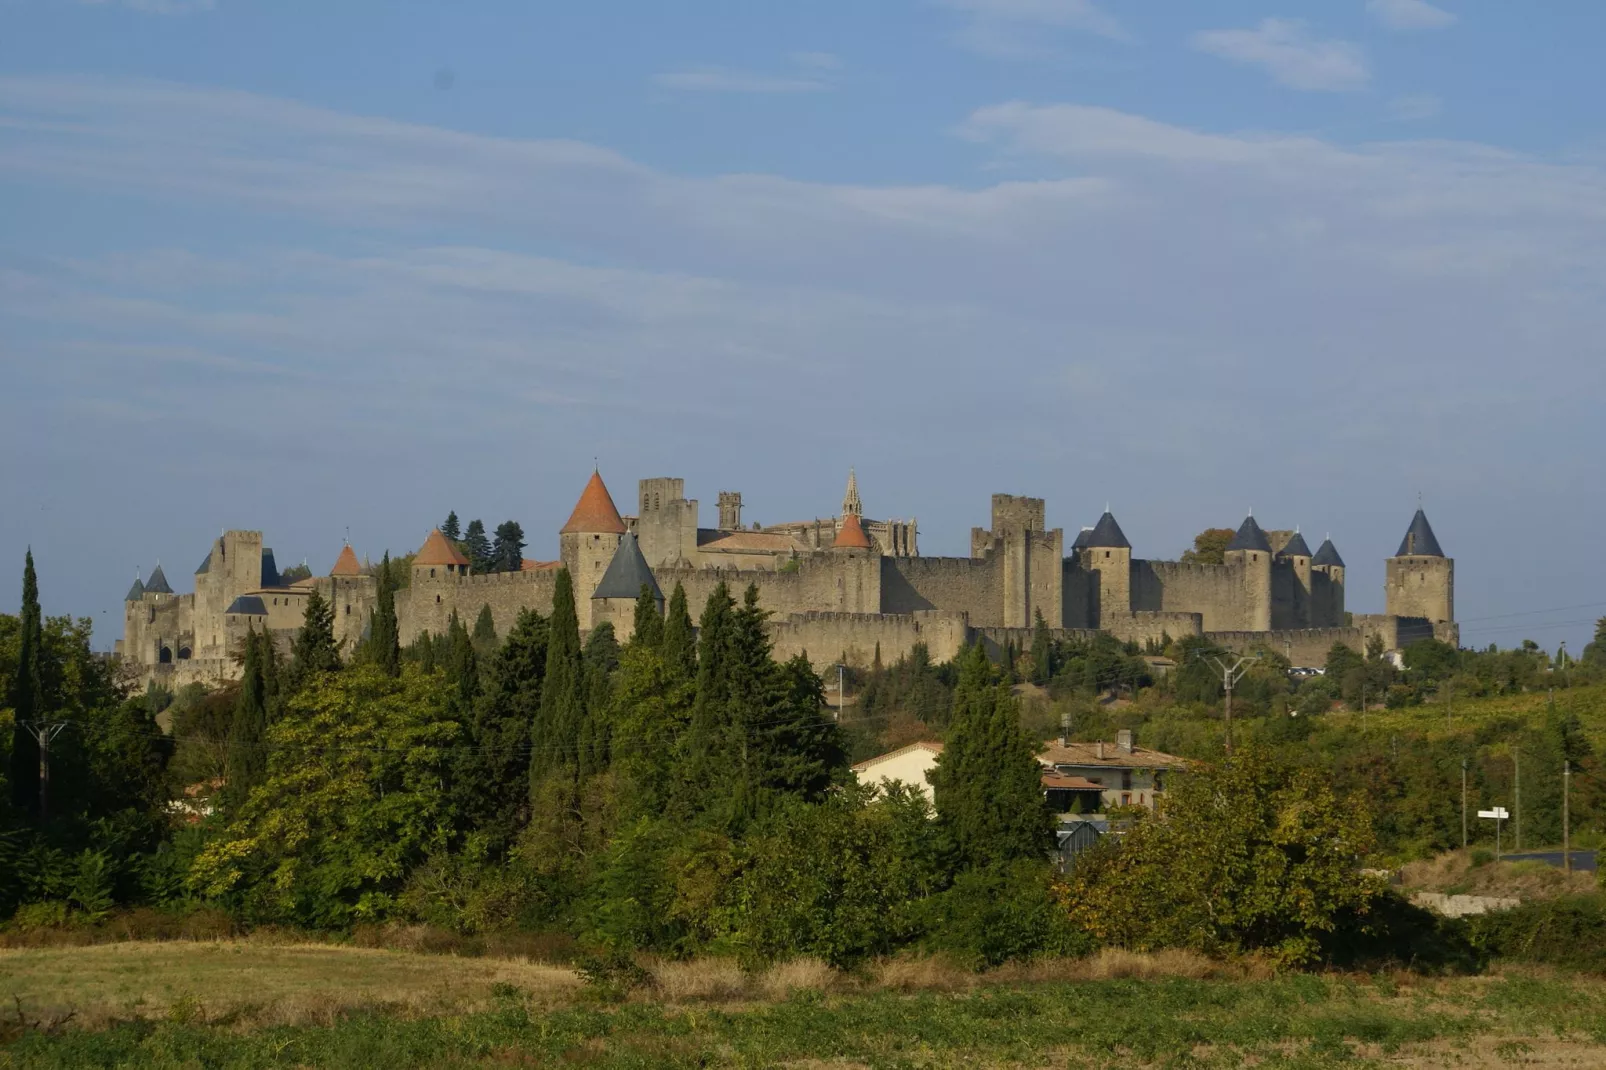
[1499, 813]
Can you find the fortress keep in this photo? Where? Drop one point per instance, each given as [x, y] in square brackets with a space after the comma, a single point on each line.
[839, 588]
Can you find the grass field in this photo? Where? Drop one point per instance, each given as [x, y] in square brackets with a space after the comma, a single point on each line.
[232, 1004]
[1440, 718]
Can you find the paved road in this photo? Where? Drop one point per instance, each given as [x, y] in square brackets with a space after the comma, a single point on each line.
[1582, 860]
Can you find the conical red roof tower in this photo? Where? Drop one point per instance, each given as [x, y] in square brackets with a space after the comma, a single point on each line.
[851, 535]
[346, 564]
[595, 512]
[438, 550]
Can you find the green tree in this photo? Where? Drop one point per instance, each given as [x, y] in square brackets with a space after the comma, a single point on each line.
[599, 659]
[679, 642]
[648, 629]
[988, 782]
[491, 774]
[384, 633]
[351, 802]
[451, 528]
[1254, 854]
[247, 757]
[485, 633]
[478, 548]
[1209, 547]
[315, 650]
[507, 551]
[1042, 652]
[1595, 652]
[27, 696]
[554, 739]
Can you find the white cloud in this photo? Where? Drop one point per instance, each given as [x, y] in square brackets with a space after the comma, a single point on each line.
[158, 7]
[1409, 14]
[1288, 52]
[727, 80]
[820, 61]
[1414, 107]
[1008, 29]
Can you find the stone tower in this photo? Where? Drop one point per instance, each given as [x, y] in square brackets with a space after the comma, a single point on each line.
[1291, 605]
[1249, 553]
[1327, 586]
[1104, 550]
[730, 510]
[588, 542]
[614, 600]
[1419, 579]
[851, 505]
[1031, 560]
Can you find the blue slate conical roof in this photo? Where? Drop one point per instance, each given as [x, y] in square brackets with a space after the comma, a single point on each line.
[1419, 540]
[627, 572]
[1107, 534]
[1327, 554]
[1295, 547]
[1082, 536]
[136, 592]
[250, 605]
[1250, 537]
[157, 584]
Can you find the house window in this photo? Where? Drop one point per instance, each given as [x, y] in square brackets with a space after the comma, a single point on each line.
[437, 600]
[1126, 800]
[1159, 782]
[431, 573]
[1126, 779]
[348, 609]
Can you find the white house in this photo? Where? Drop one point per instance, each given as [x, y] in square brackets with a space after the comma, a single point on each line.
[907, 764]
[1102, 775]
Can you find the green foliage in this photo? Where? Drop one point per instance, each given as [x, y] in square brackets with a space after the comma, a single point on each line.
[315, 651]
[1569, 932]
[351, 802]
[247, 761]
[1003, 912]
[477, 547]
[679, 643]
[987, 781]
[384, 637]
[1255, 854]
[484, 637]
[28, 704]
[1042, 652]
[1209, 547]
[507, 551]
[491, 772]
[560, 724]
[648, 626]
[451, 528]
[1595, 652]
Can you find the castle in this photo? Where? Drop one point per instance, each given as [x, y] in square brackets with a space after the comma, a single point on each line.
[840, 588]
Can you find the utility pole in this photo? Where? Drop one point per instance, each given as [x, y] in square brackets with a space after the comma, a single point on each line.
[1516, 768]
[1463, 804]
[44, 732]
[841, 689]
[1566, 815]
[1230, 675]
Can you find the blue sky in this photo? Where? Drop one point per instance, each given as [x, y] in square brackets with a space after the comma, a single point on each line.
[314, 267]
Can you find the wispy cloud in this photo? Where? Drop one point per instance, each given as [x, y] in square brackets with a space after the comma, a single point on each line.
[1288, 52]
[819, 61]
[1409, 14]
[1414, 107]
[1008, 29]
[157, 7]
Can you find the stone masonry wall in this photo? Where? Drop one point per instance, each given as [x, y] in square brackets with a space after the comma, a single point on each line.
[854, 637]
[1216, 592]
[971, 585]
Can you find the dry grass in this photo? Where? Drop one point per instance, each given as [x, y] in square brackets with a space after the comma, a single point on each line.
[800, 975]
[1453, 872]
[254, 983]
[709, 979]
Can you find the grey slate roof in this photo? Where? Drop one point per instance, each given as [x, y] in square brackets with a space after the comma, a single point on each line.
[1107, 534]
[1327, 554]
[1250, 537]
[157, 584]
[1081, 539]
[270, 570]
[136, 592]
[627, 572]
[1419, 540]
[1295, 547]
[206, 564]
[248, 605]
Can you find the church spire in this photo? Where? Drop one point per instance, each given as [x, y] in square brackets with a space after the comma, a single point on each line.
[851, 505]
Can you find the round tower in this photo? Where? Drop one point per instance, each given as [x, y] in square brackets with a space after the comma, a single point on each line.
[588, 542]
[1250, 553]
[1104, 550]
[1419, 579]
[1327, 586]
[1293, 608]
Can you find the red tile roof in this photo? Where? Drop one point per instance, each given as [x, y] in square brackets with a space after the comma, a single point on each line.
[851, 534]
[527, 565]
[1088, 755]
[346, 564]
[438, 550]
[594, 513]
[1065, 782]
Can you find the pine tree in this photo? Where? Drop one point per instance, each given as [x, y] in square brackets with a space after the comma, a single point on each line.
[988, 783]
[485, 633]
[679, 641]
[247, 761]
[507, 552]
[648, 629]
[27, 697]
[1042, 652]
[600, 659]
[477, 547]
[1595, 652]
[451, 529]
[555, 736]
[315, 650]
[462, 668]
[384, 635]
[491, 775]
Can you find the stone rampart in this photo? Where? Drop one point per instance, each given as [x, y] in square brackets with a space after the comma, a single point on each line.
[970, 585]
[854, 637]
[1218, 593]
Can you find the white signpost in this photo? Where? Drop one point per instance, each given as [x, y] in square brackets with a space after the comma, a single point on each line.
[1498, 814]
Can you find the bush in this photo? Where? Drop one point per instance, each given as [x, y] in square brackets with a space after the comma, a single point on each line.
[1569, 932]
[991, 916]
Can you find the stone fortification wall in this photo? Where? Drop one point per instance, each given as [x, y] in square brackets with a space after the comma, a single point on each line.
[972, 585]
[1147, 626]
[854, 637]
[1309, 646]
[1420, 587]
[427, 605]
[835, 581]
[1219, 593]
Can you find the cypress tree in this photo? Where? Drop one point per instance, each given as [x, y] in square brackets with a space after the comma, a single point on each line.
[451, 529]
[600, 659]
[477, 547]
[246, 762]
[988, 783]
[556, 733]
[484, 633]
[649, 624]
[491, 776]
[462, 668]
[679, 641]
[28, 695]
[384, 635]
[507, 552]
[315, 650]
[1042, 652]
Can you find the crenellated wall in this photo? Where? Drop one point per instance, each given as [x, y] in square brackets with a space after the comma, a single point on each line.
[855, 637]
[972, 585]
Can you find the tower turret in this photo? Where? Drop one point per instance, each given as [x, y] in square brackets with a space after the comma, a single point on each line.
[1250, 553]
[1291, 579]
[1420, 580]
[1104, 550]
[614, 600]
[1327, 586]
[588, 542]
